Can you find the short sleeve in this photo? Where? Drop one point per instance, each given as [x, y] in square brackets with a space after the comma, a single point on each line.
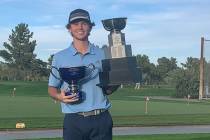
[54, 78]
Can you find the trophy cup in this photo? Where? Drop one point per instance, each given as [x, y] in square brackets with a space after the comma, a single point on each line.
[119, 67]
[74, 76]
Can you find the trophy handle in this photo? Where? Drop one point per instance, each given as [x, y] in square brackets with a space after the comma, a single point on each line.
[53, 67]
[92, 68]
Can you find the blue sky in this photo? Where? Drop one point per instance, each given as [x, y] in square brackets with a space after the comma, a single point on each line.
[157, 28]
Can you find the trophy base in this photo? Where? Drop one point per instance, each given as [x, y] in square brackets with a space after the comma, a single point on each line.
[117, 71]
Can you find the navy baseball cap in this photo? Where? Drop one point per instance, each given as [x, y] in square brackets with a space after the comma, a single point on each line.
[78, 15]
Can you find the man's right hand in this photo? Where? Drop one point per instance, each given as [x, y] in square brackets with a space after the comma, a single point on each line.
[67, 99]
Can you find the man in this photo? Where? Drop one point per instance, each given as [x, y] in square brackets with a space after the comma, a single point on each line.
[89, 119]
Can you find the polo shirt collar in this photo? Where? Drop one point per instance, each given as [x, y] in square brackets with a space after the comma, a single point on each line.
[89, 51]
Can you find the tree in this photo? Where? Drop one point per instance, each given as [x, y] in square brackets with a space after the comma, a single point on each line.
[143, 61]
[166, 65]
[19, 52]
[155, 75]
[192, 65]
[19, 55]
[39, 70]
[187, 82]
[145, 65]
[50, 59]
[207, 74]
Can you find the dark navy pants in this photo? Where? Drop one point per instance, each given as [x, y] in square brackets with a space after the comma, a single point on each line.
[96, 127]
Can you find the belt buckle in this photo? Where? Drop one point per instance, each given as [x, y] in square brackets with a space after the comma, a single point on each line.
[83, 114]
[97, 111]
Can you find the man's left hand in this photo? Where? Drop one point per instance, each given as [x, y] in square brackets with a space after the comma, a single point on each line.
[109, 89]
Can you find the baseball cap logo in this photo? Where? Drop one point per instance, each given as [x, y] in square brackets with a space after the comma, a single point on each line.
[76, 16]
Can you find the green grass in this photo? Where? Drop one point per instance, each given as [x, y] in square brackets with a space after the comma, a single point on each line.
[130, 108]
[154, 137]
[33, 106]
[23, 88]
[42, 112]
[35, 112]
[40, 89]
[162, 120]
[124, 93]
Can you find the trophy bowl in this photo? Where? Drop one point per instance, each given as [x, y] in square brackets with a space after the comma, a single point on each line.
[74, 76]
[114, 24]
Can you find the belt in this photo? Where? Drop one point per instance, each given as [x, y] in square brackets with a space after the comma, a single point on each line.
[92, 112]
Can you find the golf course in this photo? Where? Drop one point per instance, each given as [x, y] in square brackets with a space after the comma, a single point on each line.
[31, 105]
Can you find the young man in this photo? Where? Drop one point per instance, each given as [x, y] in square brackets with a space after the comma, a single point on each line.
[89, 119]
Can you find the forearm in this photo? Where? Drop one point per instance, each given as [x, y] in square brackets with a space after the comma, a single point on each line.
[54, 93]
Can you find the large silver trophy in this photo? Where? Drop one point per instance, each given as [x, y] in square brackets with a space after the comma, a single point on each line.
[74, 76]
[119, 67]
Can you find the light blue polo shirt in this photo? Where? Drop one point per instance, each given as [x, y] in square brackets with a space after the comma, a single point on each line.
[94, 97]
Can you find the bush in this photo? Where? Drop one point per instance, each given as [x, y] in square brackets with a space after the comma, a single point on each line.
[187, 84]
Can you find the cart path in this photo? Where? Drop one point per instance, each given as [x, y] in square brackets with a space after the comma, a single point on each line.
[27, 134]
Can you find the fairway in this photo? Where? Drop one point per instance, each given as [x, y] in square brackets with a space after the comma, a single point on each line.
[154, 137]
[133, 108]
[33, 106]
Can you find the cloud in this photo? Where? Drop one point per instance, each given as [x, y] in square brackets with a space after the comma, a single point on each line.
[44, 18]
[4, 35]
[157, 17]
[6, 1]
[155, 28]
[161, 1]
[99, 36]
[50, 34]
[115, 7]
[174, 32]
[52, 49]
